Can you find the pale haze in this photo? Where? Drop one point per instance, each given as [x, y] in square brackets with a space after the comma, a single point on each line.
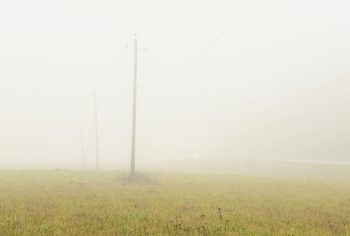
[219, 80]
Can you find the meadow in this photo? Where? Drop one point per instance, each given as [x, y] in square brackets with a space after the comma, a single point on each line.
[76, 202]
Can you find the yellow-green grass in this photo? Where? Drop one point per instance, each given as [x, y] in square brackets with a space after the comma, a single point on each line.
[63, 202]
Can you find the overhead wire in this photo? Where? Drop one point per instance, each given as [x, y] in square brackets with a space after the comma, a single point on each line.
[123, 110]
[165, 15]
[155, 42]
[206, 47]
[154, 15]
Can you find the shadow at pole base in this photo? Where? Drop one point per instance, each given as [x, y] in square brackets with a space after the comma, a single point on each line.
[136, 178]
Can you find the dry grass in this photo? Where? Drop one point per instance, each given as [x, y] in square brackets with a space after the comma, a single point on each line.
[106, 203]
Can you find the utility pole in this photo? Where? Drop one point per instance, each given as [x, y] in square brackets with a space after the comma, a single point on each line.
[133, 136]
[81, 138]
[96, 133]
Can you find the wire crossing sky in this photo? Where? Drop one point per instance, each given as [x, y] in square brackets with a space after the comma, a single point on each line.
[208, 46]
[227, 79]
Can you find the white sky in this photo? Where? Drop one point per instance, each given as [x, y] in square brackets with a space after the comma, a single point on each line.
[276, 85]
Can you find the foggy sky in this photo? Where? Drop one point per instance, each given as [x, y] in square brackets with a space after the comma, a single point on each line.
[276, 85]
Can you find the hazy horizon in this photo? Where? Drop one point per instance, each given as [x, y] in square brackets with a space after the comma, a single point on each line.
[276, 85]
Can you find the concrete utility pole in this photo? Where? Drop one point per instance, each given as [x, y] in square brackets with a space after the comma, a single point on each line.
[96, 133]
[132, 171]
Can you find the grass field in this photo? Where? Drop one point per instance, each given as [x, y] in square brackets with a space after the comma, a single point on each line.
[64, 202]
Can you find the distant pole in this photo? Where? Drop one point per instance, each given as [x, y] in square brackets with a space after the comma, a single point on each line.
[132, 172]
[77, 146]
[96, 133]
[81, 138]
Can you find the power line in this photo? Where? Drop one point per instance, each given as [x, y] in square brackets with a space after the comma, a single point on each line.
[123, 110]
[171, 27]
[208, 46]
[228, 29]
[154, 15]
[165, 15]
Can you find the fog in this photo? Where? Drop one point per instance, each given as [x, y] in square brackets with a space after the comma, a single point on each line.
[219, 79]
